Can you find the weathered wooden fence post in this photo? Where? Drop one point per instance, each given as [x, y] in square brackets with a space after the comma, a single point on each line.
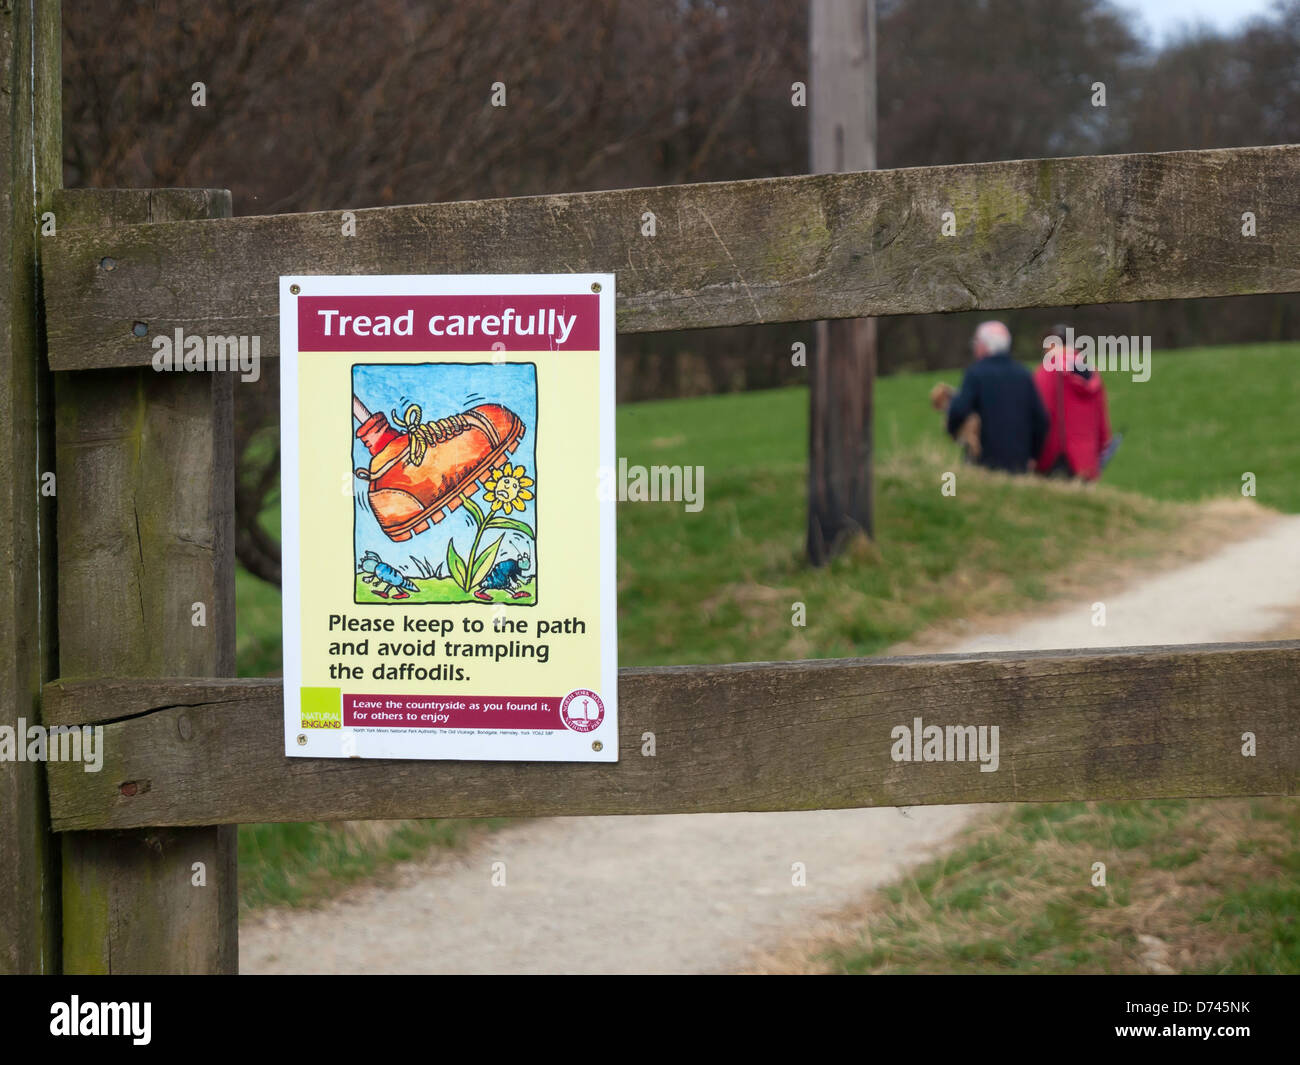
[842, 370]
[146, 567]
[31, 156]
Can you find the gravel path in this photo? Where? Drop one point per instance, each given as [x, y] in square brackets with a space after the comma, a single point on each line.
[698, 893]
[1241, 592]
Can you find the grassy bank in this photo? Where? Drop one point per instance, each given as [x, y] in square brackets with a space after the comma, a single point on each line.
[718, 585]
[1190, 887]
[298, 864]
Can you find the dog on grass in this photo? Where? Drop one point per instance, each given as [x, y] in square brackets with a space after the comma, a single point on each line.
[968, 433]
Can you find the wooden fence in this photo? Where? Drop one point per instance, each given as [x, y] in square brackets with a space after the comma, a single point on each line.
[97, 869]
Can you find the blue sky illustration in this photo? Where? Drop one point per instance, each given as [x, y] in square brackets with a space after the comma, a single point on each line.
[443, 389]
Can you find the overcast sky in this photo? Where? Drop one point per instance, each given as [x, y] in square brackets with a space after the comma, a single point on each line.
[1164, 17]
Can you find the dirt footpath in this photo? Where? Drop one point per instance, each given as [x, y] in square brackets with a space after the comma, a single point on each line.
[701, 893]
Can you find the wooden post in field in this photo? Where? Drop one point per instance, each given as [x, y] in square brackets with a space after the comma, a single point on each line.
[842, 39]
[146, 589]
[31, 160]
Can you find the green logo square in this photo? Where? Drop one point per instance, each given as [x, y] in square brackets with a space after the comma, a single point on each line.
[322, 707]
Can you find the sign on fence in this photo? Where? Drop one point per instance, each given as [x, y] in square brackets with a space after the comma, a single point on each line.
[449, 575]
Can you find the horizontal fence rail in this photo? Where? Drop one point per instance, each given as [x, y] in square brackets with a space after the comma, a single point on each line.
[1045, 232]
[1131, 723]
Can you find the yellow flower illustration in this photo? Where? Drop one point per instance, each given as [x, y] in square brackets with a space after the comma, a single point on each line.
[508, 488]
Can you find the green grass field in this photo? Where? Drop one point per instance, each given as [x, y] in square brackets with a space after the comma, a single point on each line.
[1205, 416]
[719, 585]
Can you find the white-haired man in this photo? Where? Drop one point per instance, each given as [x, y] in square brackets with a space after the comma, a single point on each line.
[1013, 421]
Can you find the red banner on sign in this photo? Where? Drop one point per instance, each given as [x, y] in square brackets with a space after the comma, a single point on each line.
[449, 323]
[465, 711]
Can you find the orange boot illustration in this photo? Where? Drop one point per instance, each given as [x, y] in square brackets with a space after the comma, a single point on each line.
[419, 471]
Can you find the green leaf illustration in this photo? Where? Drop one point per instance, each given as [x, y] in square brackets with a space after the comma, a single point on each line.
[513, 524]
[484, 562]
[475, 511]
[456, 566]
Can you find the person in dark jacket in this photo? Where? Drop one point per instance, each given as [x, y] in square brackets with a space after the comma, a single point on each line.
[1013, 420]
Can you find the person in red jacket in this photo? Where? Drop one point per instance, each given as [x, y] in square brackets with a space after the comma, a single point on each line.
[1075, 399]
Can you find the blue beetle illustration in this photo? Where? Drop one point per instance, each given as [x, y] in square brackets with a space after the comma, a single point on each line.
[385, 578]
[505, 575]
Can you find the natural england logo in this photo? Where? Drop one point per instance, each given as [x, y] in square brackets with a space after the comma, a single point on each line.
[946, 743]
[195, 354]
[62, 743]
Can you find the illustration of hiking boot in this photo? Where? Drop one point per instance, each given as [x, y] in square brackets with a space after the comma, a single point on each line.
[420, 471]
